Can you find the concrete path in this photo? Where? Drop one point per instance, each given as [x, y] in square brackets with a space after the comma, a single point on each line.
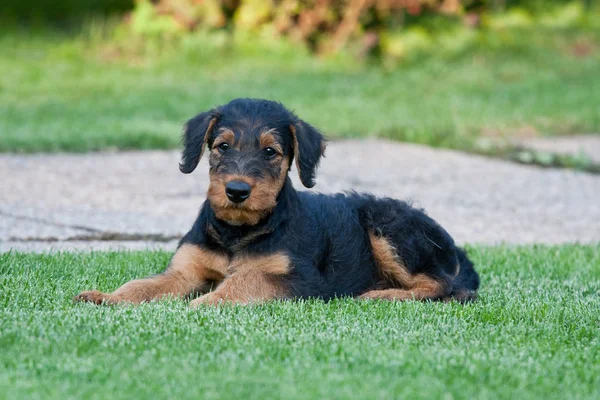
[140, 199]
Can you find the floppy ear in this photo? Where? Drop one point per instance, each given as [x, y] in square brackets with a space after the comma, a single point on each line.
[195, 136]
[309, 146]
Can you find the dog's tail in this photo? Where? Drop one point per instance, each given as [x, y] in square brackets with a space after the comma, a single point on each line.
[466, 282]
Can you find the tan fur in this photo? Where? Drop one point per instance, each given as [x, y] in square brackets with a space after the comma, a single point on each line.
[211, 125]
[253, 279]
[391, 267]
[431, 291]
[226, 135]
[285, 166]
[190, 269]
[245, 287]
[296, 148]
[249, 212]
[393, 271]
[197, 264]
[267, 139]
[272, 264]
[261, 202]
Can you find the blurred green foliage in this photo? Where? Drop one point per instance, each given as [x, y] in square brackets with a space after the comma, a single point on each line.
[388, 29]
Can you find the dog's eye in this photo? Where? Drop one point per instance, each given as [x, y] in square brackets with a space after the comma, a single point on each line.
[224, 146]
[269, 152]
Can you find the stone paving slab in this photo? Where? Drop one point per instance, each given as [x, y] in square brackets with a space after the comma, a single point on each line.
[140, 199]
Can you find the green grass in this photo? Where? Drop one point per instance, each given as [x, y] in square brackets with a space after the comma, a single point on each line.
[81, 93]
[534, 333]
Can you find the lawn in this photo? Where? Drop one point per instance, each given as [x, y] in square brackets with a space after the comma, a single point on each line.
[74, 92]
[534, 333]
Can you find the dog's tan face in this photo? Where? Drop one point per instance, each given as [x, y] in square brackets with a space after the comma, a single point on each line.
[247, 171]
[252, 144]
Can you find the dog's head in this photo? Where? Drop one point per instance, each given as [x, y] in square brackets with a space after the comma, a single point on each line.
[252, 144]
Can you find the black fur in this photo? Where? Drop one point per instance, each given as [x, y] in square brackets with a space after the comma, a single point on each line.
[310, 149]
[194, 139]
[325, 236]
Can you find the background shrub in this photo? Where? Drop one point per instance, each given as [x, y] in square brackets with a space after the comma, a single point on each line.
[390, 30]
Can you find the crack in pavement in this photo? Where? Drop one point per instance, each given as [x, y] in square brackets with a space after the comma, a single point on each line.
[51, 223]
[95, 234]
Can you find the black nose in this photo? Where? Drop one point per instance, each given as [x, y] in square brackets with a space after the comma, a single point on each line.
[237, 191]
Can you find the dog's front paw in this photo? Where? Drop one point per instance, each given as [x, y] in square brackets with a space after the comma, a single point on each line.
[372, 295]
[93, 296]
[209, 298]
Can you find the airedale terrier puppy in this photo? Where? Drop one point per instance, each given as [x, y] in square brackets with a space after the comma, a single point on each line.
[257, 238]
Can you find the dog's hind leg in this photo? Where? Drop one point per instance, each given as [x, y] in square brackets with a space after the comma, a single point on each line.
[403, 294]
[189, 271]
[415, 257]
[408, 286]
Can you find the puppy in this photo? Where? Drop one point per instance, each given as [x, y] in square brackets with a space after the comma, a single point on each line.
[256, 238]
